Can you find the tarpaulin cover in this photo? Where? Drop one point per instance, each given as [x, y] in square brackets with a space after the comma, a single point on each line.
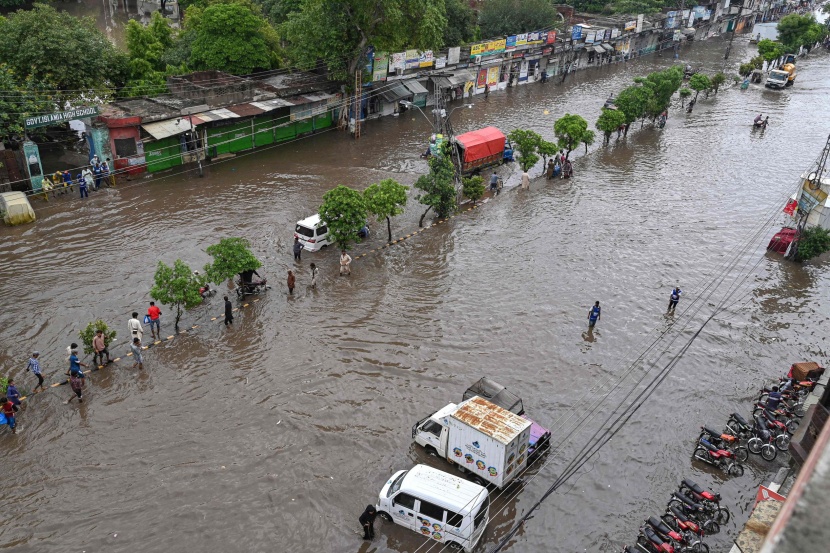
[16, 208]
[481, 143]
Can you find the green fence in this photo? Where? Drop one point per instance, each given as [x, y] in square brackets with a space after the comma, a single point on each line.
[163, 154]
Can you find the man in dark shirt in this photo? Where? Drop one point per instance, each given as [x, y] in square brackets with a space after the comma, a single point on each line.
[774, 399]
[228, 311]
[367, 520]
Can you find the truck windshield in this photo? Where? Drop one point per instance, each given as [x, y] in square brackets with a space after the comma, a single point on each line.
[433, 428]
[777, 77]
[396, 485]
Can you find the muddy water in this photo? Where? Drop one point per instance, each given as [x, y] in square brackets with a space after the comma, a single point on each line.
[275, 433]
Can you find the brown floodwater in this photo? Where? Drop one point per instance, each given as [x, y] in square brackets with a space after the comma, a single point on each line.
[274, 434]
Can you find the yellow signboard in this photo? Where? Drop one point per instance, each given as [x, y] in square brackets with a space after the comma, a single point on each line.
[488, 48]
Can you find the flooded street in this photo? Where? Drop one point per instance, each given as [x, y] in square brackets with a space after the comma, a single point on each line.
[276, 433]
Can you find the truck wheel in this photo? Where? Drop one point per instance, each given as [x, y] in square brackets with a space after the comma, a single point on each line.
[480, 481]
[453, 546]
[431, 451]
[385, 516]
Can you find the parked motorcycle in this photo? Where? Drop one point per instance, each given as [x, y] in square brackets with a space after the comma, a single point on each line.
[678, 520]
[738, 426]
[775, 425]
[708, 499]
[724, 441]
[649, 542]
[762, 442]
[678, 540]
[721, 458]
[782, 414]
[693, 510]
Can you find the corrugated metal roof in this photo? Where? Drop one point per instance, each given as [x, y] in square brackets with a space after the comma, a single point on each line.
[498, 423]
[224, 113]
[269, 105]
[415, 87]
[246, 110]
[394, 92]
[169, 127]
[318, 97]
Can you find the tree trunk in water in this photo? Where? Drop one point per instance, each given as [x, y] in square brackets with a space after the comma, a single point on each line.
[389, 227]
[625, 134]
[178, 317]
[421, 221]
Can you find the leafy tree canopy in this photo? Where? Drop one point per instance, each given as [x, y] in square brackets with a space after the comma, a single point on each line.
[147, 47]
[438, 186]
[385, 199]
[461, 23]
[64, 52]
[338, 33]
[795, 31]
[344, 211]
[570, 131]
[632, 102]
[231, 256]
[770, 50]
[473, 188]
[718, 79]
[639, 6]
[699, 83]
[232, 37]
[19, 99]
[813, 242]
[526, 143]
[177, 287]
[609, 121]
[508, 17]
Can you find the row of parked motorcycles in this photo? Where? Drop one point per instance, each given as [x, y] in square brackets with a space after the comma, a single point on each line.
[694, 512]
[691, 513]
[776, 414]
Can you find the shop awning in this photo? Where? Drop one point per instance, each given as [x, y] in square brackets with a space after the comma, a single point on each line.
[170, 127]
[394, 91]
[415, 87]
[457, 79]
[598, 48]
[608, 47]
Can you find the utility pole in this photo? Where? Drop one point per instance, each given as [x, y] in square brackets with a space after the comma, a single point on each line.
[358, 92]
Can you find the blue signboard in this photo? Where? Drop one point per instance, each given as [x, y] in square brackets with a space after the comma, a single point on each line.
[576, 32]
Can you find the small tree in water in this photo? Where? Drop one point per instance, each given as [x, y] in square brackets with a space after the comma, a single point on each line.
[527, 144]
[231, 256]
[813, 242]
[473, 188]
[177, 287]
[344, 211]
[699, 83]
[684, 95]
[438, 186]
[610, 121]
[546, 150]
[386, 198]
[87, 334]
[718, 79]
[570, 130]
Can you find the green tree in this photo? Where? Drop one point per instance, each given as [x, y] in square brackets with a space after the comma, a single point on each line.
[177, 287]
[746, 68]
[473, 188]
[66, 53]
[632, 102]
[386, 198]
[718, 79]
[344, 211]
[147, 47]
[87, 334]
[610, 120]
[438, 186]
[461, 23]
[546, 150]
[19, 99]
[230, 37]
[813, 242]
[770, 50]
[338, 33]
[684, 95]
[588, 138]
[231, 256]
[570, 131]
[526, 143]
[508, 17]
[661, 86]
[795, 31]
[699, 83]
[638, 6]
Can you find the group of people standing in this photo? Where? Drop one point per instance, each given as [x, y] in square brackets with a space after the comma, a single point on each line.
[559, 166]
[91, 177]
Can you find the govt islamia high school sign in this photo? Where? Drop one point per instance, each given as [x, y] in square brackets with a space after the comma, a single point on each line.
[60, 117]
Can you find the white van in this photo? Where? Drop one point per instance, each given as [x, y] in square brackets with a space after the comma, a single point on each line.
[313, 233]
[437, 505]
